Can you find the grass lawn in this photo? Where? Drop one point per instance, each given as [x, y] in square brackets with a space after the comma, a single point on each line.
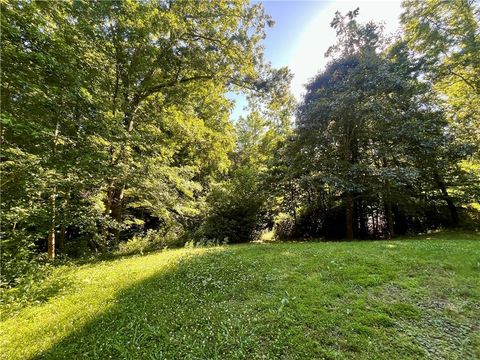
[406, 299]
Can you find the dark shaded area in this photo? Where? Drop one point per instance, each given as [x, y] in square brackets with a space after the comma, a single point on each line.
[370, 221]
[153, 318]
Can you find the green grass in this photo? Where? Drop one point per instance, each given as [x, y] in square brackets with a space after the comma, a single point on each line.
[405, 299]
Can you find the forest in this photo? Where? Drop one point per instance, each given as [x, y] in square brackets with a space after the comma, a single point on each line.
[142, 219]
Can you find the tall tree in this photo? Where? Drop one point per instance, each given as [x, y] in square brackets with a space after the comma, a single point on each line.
[348, 135]
[334, 119]
[444, 38]
[108, 105]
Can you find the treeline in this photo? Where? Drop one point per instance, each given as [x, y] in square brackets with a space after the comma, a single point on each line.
[116, 130]
[387, 136]
[115, 118]
[385, 141]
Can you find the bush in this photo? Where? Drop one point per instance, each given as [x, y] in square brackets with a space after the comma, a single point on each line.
[17, 258]
[204, 242]
[237, 209]
[236, 224]
[284, 227]
[152, 240]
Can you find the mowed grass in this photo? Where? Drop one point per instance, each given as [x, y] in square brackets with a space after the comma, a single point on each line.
[402, 299]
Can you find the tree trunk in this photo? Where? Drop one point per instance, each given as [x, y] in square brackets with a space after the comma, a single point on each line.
[51, 234]
[63, 228]
[388, 211]
[292, 202]
[446, 196]
[363, 219]
[389, 218]
[53, 209]
[116, 207]
[349, 217]
[114, 200]
[388, 204]
[374, 223]
[351, 146]
[61, 238]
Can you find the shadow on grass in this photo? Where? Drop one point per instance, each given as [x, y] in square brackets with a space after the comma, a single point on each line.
[287, 301]
[187, 310]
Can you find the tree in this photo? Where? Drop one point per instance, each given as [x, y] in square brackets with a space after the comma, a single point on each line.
[336, 118]
[367, 132]
[444, 38]
[116, 112]
[51, 161]
[241, 205]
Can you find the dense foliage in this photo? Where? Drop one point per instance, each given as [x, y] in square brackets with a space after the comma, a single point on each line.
[115, 118]
[115, 126]
[375, 151]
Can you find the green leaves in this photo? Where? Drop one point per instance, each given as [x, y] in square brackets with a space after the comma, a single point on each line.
[445, 37]
[370, 136]
[116, 111]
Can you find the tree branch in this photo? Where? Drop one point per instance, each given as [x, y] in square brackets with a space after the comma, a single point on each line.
[464, 80]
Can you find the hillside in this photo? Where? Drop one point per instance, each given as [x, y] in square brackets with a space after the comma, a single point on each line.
[409, 298]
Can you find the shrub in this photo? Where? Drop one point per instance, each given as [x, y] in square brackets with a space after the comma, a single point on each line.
[237, 209]
[152, 240]
[17, 258]
[284, 227]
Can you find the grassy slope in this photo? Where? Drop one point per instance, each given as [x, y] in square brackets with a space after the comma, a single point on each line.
[387, 299]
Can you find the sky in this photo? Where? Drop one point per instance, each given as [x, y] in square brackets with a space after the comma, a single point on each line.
[302, 35]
